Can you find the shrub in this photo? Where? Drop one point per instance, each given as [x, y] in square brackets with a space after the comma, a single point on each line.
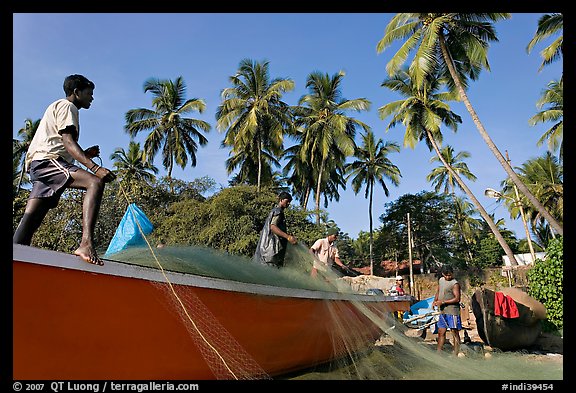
[546, 284]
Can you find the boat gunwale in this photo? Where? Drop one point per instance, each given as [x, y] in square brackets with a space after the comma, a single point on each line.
[28, 254]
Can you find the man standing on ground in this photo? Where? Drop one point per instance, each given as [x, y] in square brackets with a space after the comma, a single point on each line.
[51, 162]
[447, 299]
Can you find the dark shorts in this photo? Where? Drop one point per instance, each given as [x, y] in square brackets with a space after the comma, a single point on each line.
[49, 178]
[449, 322]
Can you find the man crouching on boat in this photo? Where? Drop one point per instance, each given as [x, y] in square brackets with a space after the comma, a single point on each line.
[326, 253]
[447, 299]
[50, 160]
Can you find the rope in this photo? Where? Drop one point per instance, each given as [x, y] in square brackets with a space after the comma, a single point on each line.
[174, 291]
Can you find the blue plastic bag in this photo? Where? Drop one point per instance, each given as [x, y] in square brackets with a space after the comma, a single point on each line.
[128, 233]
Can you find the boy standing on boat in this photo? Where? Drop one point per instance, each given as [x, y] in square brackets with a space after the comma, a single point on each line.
[51, 162]
[447, 299]
[271, 248]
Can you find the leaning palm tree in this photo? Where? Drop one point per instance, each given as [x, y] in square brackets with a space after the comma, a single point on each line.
[176, 135]
[328, 134]
[456, 44]
[422, 113]
[442, 177]
[253, 114]
[553, 99]
[549, 25]
[373, 166]
[20, 146]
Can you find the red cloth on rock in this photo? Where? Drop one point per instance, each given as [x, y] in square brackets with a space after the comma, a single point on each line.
[505, 306]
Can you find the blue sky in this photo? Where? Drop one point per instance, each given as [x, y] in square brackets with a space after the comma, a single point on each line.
[119, 51]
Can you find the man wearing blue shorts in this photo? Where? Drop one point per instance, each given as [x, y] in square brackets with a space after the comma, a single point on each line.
[447, 300]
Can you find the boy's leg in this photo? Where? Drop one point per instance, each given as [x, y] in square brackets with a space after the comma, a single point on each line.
[94, 187]
[36, 210]
[441, 339]
[456, 334]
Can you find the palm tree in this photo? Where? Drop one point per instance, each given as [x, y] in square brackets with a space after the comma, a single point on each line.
[16, 175]
[20, 146]
[249, 170]
[132, 165]
[371, 167]
[301, 177]
[422, 113]
[468, 226]
[442, 177]
[252, 113]
[553, 98]
[328, 134]
[545, 177]
[456, 43]
[548, 25]
[176, 135]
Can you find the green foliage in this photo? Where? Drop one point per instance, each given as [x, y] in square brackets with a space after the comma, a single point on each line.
[230, 220]
[488, 253]
[431, 217]
[545, 284]
[495, 279]
[476, 281]
[61, 229]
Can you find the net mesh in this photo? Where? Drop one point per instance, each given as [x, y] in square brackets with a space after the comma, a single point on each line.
[399, 353]
[222, 353]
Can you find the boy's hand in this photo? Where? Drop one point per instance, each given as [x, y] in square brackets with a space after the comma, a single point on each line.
[105, 174]
[92, 151]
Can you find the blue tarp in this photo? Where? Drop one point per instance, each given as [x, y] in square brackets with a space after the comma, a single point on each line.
[128, 233]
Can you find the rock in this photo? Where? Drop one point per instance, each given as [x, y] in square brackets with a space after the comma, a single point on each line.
[416, 333]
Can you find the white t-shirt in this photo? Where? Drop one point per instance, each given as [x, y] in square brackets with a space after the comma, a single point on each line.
[325, 252]
[47, 142]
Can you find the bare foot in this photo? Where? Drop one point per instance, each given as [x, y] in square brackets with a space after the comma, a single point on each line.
[89, 255]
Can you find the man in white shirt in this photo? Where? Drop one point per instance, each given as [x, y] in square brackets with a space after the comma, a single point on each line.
[326, 253]
[51, 160]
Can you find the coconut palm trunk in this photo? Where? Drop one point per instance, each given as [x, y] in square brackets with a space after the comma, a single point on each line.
[468, 192]
[521, 186]
[318, 191]
[371, 230]
[458, 215]
[20, 178]
[259, 165]
[306, 197]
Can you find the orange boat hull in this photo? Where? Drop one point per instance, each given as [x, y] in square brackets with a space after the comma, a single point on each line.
[79, 324]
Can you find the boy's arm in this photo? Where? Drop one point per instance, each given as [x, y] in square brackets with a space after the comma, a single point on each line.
[80, 155]
[74, 148]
